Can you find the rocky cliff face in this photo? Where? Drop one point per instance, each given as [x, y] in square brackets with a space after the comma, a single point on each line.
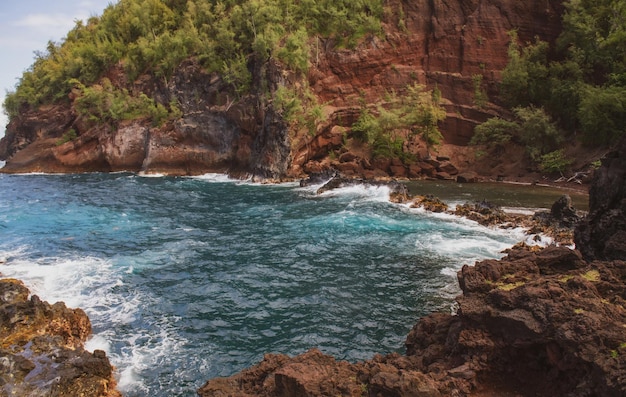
[603, 234]
[41, 349]
[216, 133]
[435, 43]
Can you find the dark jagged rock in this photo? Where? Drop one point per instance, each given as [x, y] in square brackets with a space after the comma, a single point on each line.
[564, 211]
[467, 177]
[562, 214]
[41, 349]
[559, 222]
[602, 234]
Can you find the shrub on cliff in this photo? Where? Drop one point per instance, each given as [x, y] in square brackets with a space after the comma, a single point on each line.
[104, 103]
[155, 36]
[417, 111]
[537, 131]
[581, 81]
[494, 133]
[533, 128]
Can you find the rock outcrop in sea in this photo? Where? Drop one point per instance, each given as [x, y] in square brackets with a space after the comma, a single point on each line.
[548, 322]
[42, 351]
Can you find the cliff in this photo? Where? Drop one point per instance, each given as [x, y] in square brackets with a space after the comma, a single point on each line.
[41, 349]
[536, 323]
[439, 44]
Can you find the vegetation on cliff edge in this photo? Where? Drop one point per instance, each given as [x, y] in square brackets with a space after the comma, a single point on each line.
[154, 36]
[416, 113]
[575, 89]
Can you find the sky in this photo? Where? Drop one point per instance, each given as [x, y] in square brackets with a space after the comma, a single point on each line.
[26, 26]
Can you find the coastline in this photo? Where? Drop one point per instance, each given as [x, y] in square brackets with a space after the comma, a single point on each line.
[536, 323]
[405, 203]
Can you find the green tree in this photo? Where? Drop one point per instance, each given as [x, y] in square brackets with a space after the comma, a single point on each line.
[227, 37]
[495, 133]
[417, 111]
[537, 131]
[602, 114]
[422, 114]
[554, 162]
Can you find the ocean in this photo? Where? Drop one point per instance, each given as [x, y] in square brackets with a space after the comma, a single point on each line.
[186, 279]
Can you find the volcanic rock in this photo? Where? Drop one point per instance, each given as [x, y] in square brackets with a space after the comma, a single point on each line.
[467, 177]
[429, 203]
[482, 212]
[42, 352]
[602, 235]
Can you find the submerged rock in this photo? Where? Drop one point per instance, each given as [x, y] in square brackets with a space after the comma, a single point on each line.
[42, 352]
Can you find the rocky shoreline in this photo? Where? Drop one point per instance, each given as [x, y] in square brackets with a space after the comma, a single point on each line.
[539, 322]
[42, 349]
[536, 323]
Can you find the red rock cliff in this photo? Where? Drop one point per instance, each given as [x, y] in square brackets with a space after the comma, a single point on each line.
[431, 42]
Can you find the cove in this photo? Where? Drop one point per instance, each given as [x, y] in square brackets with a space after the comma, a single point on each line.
[185, 279]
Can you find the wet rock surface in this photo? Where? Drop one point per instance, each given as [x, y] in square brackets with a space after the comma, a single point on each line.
[42, 352]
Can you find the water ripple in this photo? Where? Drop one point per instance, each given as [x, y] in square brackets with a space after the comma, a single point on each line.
[185, 279]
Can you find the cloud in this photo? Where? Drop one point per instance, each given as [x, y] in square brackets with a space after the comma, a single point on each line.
[52, 24]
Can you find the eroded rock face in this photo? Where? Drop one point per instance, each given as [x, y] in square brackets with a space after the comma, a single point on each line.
[216, 133]
[548, 322]
[41, 351]
[602, 235]
[442, 44]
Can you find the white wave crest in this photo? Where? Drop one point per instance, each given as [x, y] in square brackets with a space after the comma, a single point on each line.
[362, 191]
[93, 284]
[214, 177]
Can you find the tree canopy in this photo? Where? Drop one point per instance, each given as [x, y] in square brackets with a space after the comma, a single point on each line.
[154, 36]
[581, 82]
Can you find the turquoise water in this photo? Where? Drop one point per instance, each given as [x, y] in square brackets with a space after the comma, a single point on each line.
[185, 279]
